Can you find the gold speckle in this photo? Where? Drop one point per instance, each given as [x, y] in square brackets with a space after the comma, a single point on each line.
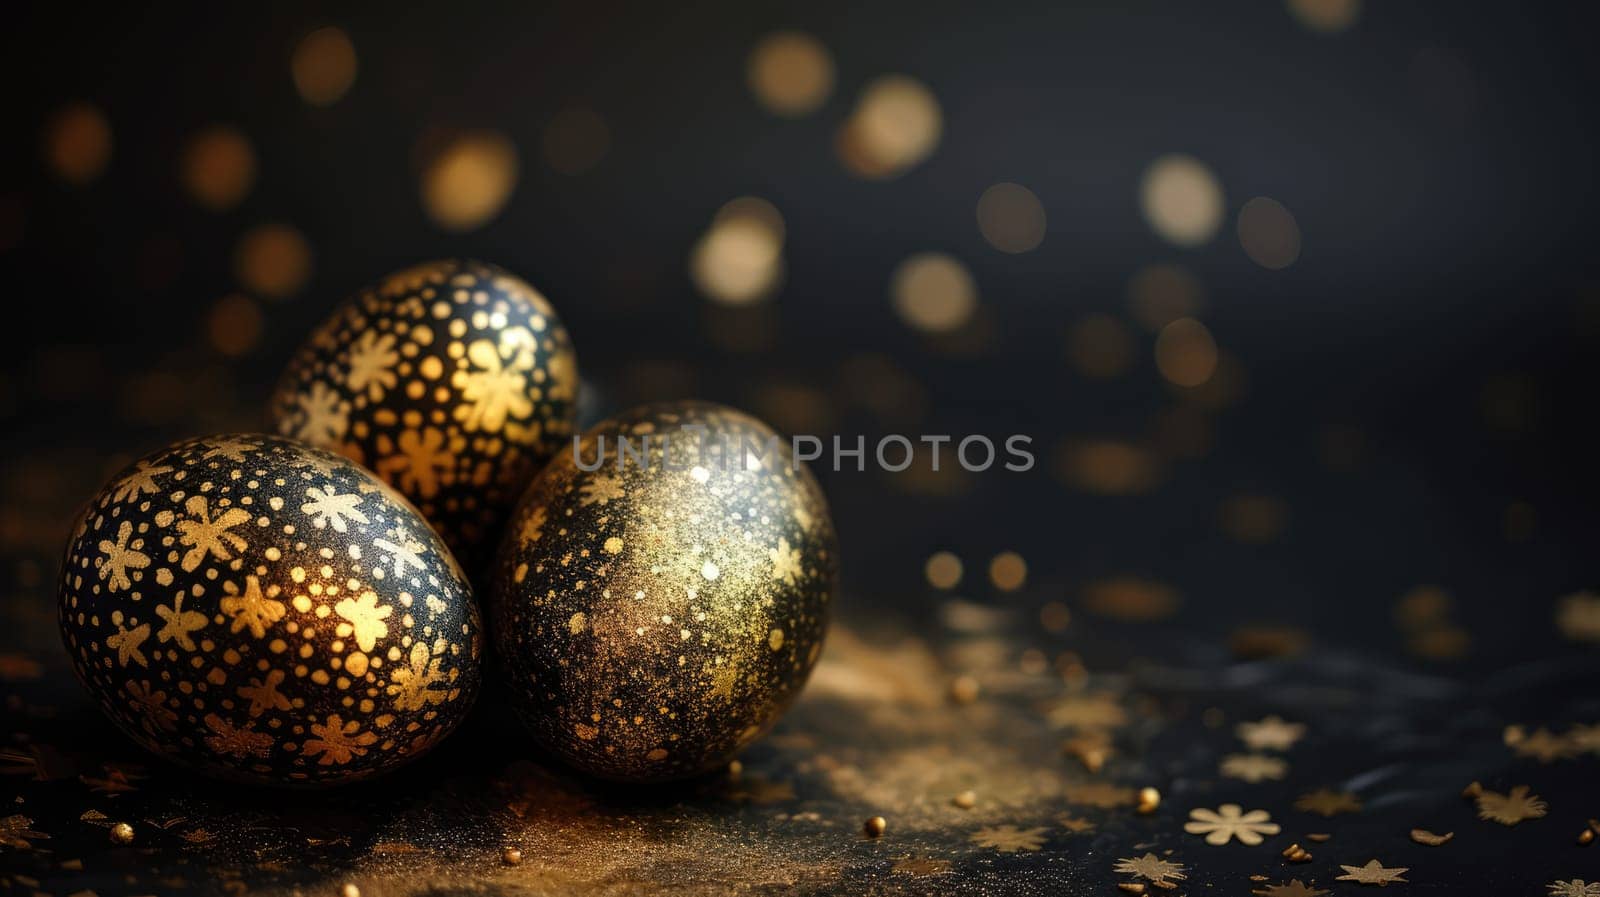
[577, 623]
[613, 545]
[585, 731]
[775, 639]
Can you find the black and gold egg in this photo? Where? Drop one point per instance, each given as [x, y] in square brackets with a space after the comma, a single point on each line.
[654, 619]
[454, 381]
[265, 611]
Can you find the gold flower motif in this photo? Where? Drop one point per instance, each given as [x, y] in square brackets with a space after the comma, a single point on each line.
[152, 706]
[785, 562]
[180, 623]
[119, 557]
[252, 609]
[600, 489]
[1150, 867]
[234, 741]
[325, 418]
[365, 616]
[1009, 838]
[1228, 822]
[263, 695]
[327, 508]
[203, 535]
[1253, 768]
[1577, 887]
[337, 741]
[372, 361]
[420, 462]
[142, 481]
[128, 641]
[1270, 734]
[492, 392]
[412, 686]
[1511, 808]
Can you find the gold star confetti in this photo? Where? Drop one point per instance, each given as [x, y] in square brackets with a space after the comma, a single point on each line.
[1293, 888]
[1575, 888]
[1009, 838]
[1512, 808]
[1074, 824]
[1229, 822]
[1423, 836]
[1253, 767]
[1150, 867]
[1099, 794]
[1327, 802]
[1270, 734]
[1542, 745]
[1373, 873]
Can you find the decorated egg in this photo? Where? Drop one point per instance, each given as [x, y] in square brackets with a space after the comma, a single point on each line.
[663, 591]
[454, 381]
[261, 610]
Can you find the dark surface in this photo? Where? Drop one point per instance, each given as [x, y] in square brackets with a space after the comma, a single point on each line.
[1416, 401]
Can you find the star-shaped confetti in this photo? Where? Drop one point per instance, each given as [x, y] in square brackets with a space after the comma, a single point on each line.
[1270, 734]
[1253, 767]
[1327, 802]
[1575, 888]
[1373, 873]
[1511, 808]
[1542, 745]
[1150, 867]
[1074, 824]
[1228, 822]
[1009, 838]
[1293, 888]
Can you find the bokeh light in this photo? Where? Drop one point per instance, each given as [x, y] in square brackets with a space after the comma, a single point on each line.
[323, 66]
[1268, 233]
[77, 143]
[1100, 346]
[1163, 293]
[790, 73]
[1130, 599]
[1186, 355]
[1109, 467]
[273, 260]
[219, 168]
[1011, 218]
[896, 124]
[1008, 571]
[234, 325]
[1254, 519]
[1181, 199]
[739, 260]
[1325, 15]
[470, 180]
[943, 570]
[576, 140]
[933, 292]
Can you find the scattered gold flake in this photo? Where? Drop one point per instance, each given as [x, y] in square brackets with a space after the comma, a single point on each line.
[219, 168]
[1269, 234]
[1577, 887]
[966, 800]
[121, 833]
[77, 143]
[1472, 791]
[1009, 838]
[1373, 873]
[323, 66]
[17, 832]
[1578, 616]
[469, 180]
[1074, 824]
[875, 826]
[790, 73]
[1327, 802]
[1319, 837]
[1011, 218]
[1328, 16]
[1423, 836]
[1008, 571]
[943, 570]
[933, 293]
[1186, 354]
[1253, 767]
[272, 260]
[1228, 822]
[1181, 199]
[920, 867]
[1294, 888]
[1149, 801]
[511, 856]
[1151, 868]
[1511, 808]
[1294, 853]
[1541, 745]
[1100, 794]
[895, 125]
[1271, 733]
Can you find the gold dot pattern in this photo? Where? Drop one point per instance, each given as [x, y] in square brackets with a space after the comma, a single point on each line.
[655, 620]
[454, 381]
[264, 611]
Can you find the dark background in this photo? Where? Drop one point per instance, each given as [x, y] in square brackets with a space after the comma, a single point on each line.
[1416, 387]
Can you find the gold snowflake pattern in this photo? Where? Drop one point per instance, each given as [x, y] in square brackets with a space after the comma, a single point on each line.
[207, 536]
[412, 686]
[364, 619]
[1253, 768]
[372, 361]
[1229, 822]
[255, 609]
[1327, 802]
[225, 738]
[421, 464]
[180, 623]
[263, 693]
[1510, 808]
[1292, 888]
[128, 642]
[325, 417]
[142, 481]
[1542, 745]
[600, 489]
[119, 558]
[785, 562]
[1009, 838]
[493, 391]
[1373, 873]
[1577, 887]
[327, 508]
[1151, 868]
[1271, 733]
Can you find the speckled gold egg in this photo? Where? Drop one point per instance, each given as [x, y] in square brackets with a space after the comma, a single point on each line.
[454, 381]
[261, 610]
[655, 617]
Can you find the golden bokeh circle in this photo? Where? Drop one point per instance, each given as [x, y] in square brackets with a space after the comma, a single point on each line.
[77, 143]
[1269, 234]
[219, 167]
[790, 73]
[323, 66]
[273, 261]
[1011, 218]
[1186, 354]
[933, 292]
[1181, 199]
[469, 181]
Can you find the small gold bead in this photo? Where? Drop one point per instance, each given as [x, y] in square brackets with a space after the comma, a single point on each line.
[1586, 837]
[1149, 800]
[966, 800]
[349, 890]
[735, 769]
[511, 856]
[875, 827]
[1132, 887]
[122, 833]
